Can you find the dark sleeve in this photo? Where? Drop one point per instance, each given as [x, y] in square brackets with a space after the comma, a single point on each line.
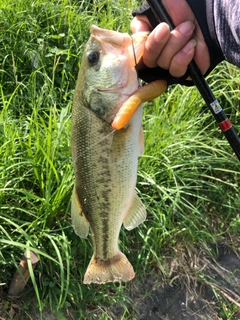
[226, 15]
[204, 13]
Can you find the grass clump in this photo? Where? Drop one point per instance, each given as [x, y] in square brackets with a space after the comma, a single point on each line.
[188, 176]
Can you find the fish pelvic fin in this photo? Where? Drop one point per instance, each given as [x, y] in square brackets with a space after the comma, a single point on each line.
[115, 269]
[79, 222]
[136, 214]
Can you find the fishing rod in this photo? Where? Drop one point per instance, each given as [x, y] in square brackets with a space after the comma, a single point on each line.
[198, 79]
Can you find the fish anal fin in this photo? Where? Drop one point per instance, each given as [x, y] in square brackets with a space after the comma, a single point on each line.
[114, 269]
[79, 222]
[136, 214]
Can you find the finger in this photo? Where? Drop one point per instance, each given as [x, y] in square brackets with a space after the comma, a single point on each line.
[155, 44]
[178, 39]
[180, 12]
[183, 12]
[202, 57]
[140, 23]
[181, 60]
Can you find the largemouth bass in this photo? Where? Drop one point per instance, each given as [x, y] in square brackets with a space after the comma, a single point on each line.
[106, 160]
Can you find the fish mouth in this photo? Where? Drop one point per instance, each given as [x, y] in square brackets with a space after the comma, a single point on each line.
[135, 42]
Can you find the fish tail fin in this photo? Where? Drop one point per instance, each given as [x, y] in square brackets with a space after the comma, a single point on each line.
[114, 269]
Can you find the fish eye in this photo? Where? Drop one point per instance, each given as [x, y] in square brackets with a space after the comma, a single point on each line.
[93, 57]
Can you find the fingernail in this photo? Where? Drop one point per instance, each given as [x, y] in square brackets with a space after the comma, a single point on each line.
[190, 46]
[186, 27]
[161, 32]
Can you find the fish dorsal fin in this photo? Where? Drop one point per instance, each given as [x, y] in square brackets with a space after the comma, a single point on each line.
[136, 214]
[79, 222]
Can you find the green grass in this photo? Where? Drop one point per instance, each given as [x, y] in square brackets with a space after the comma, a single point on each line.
[188, 177]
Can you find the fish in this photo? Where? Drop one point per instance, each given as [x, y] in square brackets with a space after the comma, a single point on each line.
[105, 159]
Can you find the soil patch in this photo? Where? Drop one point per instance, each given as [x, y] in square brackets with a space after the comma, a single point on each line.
[153, 301]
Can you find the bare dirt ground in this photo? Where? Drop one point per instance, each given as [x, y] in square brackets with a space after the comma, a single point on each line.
[184, 298]
[153, 301]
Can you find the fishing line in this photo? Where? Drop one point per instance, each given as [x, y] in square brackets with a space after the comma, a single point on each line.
[135, 61]
[97, 142]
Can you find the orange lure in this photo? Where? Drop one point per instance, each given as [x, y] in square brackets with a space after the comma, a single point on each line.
[146, 93]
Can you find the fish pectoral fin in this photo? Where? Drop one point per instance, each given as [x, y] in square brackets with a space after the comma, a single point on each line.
[136, 214]
[79, 222]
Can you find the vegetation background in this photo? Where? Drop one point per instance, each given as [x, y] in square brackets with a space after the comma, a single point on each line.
[188, 177]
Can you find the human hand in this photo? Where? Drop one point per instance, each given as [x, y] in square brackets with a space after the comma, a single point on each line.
[174, 50]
